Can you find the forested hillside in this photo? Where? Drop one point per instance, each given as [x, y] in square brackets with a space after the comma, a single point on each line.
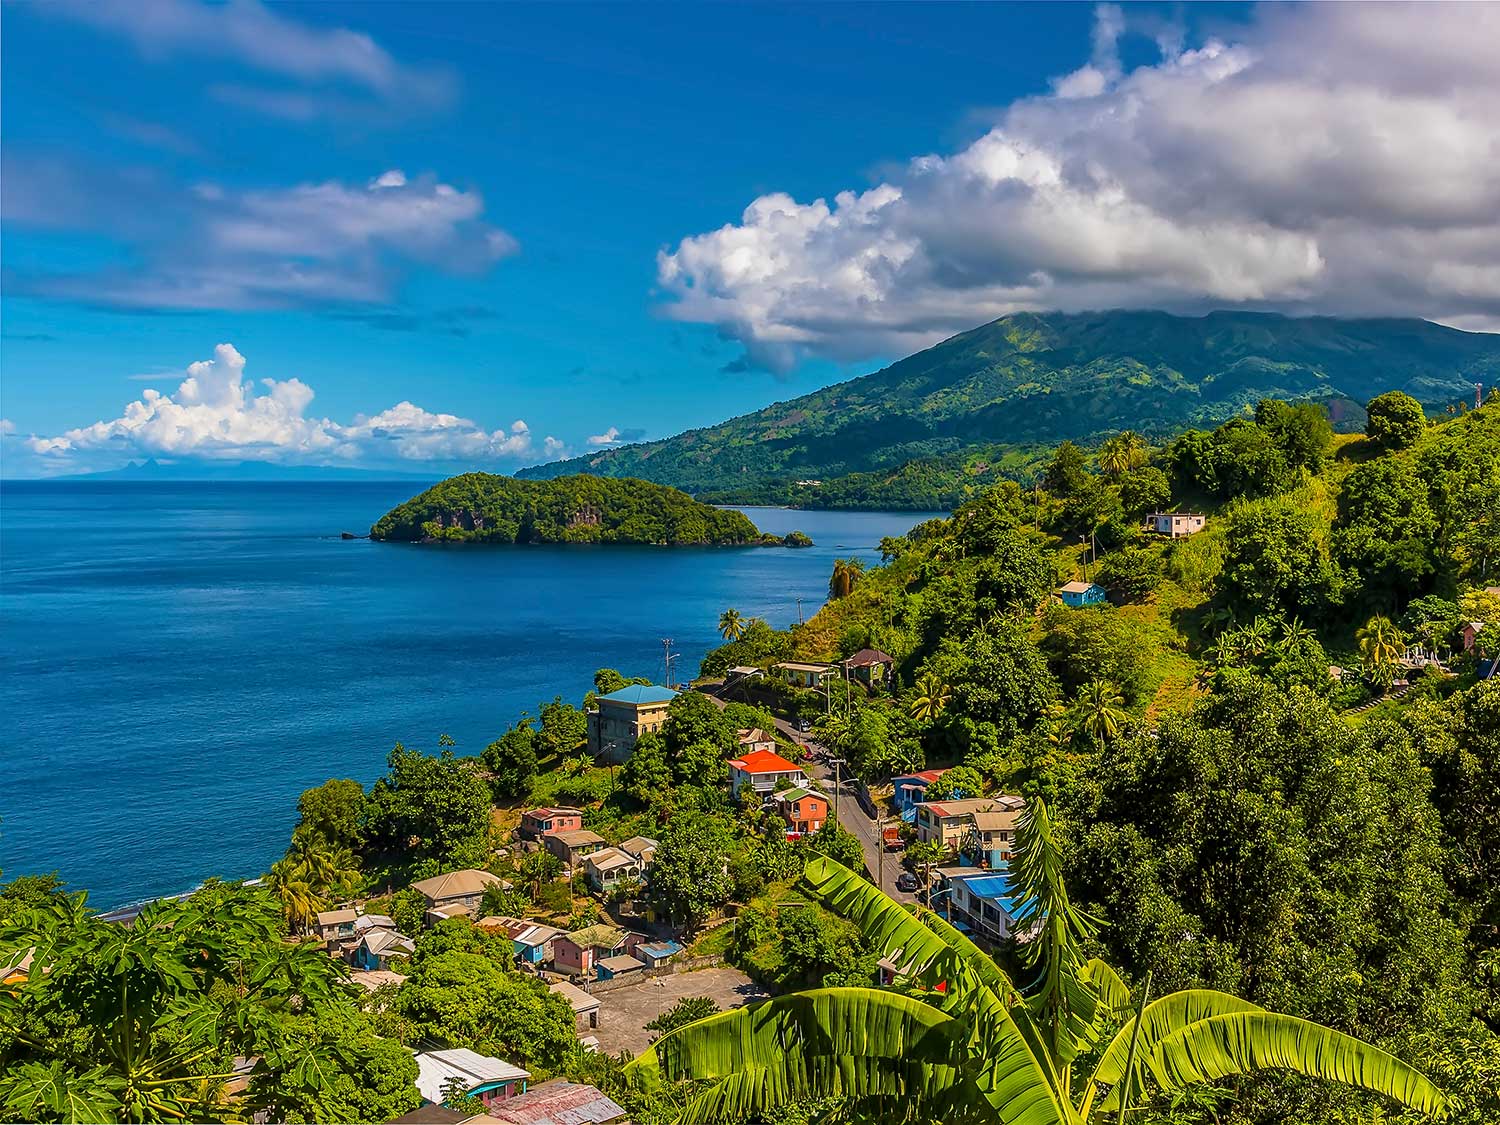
[1040, 378]
[483, 508]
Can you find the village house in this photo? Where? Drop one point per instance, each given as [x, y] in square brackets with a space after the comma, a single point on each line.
[377, 946]
[1079, 594]
[948, 822]
[620, 966]
[1175, 524]
[642, 847]
[572, 847]
[579, 951]
[755, 739]
[585, 1007]
[762, 771]
[655, 954]
[869, 666]
[909, 789]
[618, 719]
[1468, 634]
[491, 1080]
[536, 823]
[803, 809]
[456, 889]
[983, 904]
[560, 1102]
[531, 941]
[803, 675]
[609, 868]
[991, 837]
[332, 925]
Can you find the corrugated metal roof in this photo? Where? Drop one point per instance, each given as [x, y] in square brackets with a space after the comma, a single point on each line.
[641, 693]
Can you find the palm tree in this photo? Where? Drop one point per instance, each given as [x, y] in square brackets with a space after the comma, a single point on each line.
[300, 900]
[1380, 644]
[1122, 453]
[846, 574]
[1099, 711]
[964, 1044]
[1294, 634]
[731, 625]
[932, 697]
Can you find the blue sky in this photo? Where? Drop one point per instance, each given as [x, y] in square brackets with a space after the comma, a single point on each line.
[474, 235]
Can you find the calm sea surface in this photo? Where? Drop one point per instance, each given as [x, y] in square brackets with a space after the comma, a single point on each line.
[179, 661]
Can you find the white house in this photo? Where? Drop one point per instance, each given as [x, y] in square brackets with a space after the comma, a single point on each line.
[1176, 524]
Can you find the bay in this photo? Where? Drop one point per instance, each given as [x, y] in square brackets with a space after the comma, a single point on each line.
[178, 661]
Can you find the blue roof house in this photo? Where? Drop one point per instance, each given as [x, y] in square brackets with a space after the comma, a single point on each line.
[1079, 594]
[618, 720]
[985, 904]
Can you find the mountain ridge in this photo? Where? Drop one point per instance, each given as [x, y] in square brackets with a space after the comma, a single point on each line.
[1040, 378]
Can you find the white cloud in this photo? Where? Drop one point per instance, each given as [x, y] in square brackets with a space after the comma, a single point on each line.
[610, 436]
[211, 247]
[250, 33]
[216, 414]
[7, 427]
[1337, 158]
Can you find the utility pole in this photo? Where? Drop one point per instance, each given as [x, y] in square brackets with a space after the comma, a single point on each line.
[666, 662]
[837, 785]
[880, 850]
[799, 611]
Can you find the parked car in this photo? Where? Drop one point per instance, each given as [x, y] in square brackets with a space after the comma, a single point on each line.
[907, 882]
[803, 726]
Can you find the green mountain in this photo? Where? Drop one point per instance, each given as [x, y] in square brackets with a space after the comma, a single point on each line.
[483, 508]
[1038, 378]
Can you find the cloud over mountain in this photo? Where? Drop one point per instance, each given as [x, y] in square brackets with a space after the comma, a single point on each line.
[216, 414]
[1336, 158]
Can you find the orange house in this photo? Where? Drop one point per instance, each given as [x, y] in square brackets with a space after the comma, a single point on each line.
[803, 810]
[544, 821]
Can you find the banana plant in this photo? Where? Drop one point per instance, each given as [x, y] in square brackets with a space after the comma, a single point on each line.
[961, 1042]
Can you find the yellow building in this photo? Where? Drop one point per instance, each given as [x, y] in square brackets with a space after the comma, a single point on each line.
[621, 717]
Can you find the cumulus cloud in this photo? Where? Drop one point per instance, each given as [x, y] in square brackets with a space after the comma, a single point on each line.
[217, 414]
[253, 35]
[1334, 158]
[610, 436]
[210, 247]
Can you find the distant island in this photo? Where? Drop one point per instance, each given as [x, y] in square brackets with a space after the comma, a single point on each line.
[485, 508]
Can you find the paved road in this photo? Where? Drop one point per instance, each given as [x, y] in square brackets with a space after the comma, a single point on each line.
[850, 814]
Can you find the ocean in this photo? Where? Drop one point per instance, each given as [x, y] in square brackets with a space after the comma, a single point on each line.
[178, 661]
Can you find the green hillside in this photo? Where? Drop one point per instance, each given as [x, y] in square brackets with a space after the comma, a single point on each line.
[1040, 378]
[483, 508]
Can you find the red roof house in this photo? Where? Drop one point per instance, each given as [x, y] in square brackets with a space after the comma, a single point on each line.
[762, 771]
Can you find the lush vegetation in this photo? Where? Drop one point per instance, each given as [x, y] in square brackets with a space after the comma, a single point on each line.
[483, 508]
[1271, 892]
[1033, 378]
[960, 1042]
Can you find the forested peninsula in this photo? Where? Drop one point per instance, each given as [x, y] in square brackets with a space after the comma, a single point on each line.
[484, 508]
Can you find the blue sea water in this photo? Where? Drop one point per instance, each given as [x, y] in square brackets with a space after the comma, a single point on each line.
[178, 661]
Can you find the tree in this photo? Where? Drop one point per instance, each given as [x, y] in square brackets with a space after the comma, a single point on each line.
[932, 696]
[428, 808]
[335, 811]
[690, 1009]
[690, 873]
[924, 855]
[511, 758]
[1385, 530]
[1132, 574]
[463, 999]
[1122, 453]
[1394, 420]
[731, 625]
[607, 680]
[309, 875]
[1300, 430]
[956, 784]
[1276, 560]
[1000, 677]
[1099, 711]
[846, 575]
[1067, 475]
[1380, 645]
[563, 729]
[980, 1050]
[838, 844]
[1145, 490]
[647, 774]
[143, 1022]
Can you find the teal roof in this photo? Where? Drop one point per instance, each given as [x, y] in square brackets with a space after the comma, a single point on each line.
[641, 693]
